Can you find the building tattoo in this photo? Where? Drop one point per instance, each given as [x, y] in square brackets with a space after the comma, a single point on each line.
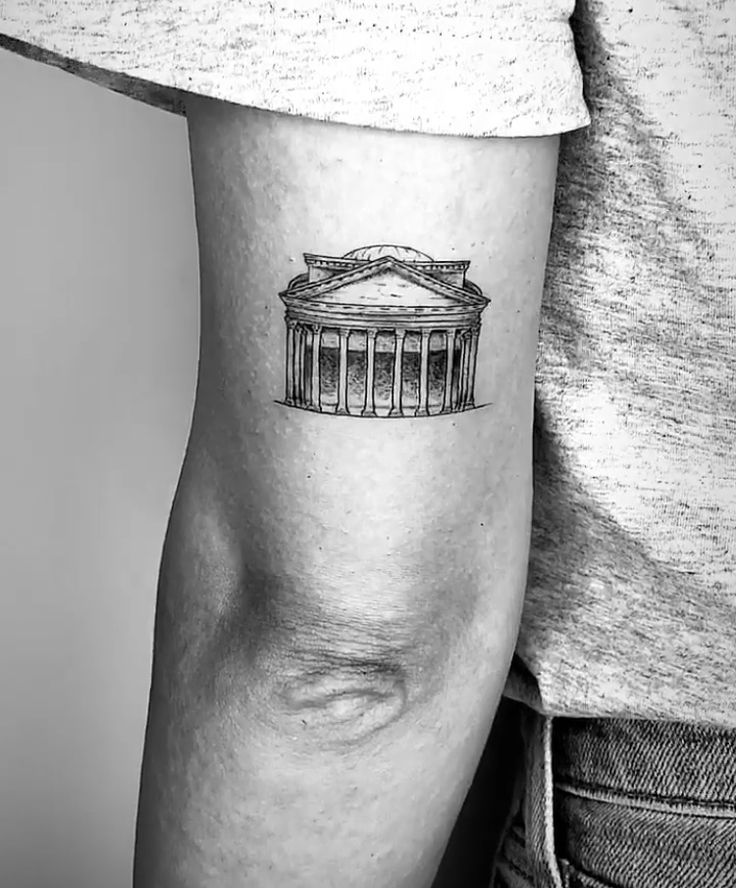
[382, 331]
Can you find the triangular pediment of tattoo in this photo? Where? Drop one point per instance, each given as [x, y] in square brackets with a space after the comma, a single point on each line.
[385, 281]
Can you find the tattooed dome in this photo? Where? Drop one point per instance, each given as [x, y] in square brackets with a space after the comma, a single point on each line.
[377, 251]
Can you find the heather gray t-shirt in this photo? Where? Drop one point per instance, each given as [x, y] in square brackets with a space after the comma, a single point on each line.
[631, 601]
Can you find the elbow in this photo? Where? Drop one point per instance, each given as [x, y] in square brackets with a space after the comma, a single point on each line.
[320, 669]
[338, 699]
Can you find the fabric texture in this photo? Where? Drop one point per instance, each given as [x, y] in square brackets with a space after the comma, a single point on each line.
[621, 803]
[498, 68]
[630, 608]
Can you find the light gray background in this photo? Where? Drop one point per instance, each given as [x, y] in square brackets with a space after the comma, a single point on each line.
[98, 339]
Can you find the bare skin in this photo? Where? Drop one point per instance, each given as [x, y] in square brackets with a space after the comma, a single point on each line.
[340, 594]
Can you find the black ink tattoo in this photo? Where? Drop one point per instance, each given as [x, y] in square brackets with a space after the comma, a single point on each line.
[382, 331]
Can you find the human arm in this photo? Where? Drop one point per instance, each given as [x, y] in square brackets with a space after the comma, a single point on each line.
[339, 595]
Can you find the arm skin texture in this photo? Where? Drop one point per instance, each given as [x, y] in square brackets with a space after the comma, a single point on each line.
[339, 595]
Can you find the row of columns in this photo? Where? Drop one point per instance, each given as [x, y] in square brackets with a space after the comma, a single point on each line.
[302, 337]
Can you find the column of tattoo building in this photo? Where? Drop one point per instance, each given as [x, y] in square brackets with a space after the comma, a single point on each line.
[382, 331]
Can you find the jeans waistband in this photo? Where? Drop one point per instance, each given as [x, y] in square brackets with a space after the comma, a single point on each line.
[639, 778]
[647, 760]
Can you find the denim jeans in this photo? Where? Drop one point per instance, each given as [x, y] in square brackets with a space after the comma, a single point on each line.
[618, 803]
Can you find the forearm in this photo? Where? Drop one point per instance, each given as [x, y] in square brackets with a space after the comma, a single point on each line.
[328, 753]
[339, 595]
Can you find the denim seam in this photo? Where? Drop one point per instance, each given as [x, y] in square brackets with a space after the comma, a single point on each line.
[652, 801]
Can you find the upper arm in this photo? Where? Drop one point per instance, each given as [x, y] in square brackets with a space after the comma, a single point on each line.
[340, 591]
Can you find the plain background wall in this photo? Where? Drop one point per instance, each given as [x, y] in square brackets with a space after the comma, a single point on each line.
[98, 350]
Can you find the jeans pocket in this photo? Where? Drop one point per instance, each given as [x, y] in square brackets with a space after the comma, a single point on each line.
[639, 842]
[513, 868]
[572, 877]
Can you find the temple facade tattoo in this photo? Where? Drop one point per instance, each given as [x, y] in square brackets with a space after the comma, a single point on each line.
[383, 331]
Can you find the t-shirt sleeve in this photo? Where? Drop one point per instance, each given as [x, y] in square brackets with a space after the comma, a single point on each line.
[460, 67]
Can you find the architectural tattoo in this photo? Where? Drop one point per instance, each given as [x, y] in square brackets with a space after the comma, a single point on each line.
[382, 331]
